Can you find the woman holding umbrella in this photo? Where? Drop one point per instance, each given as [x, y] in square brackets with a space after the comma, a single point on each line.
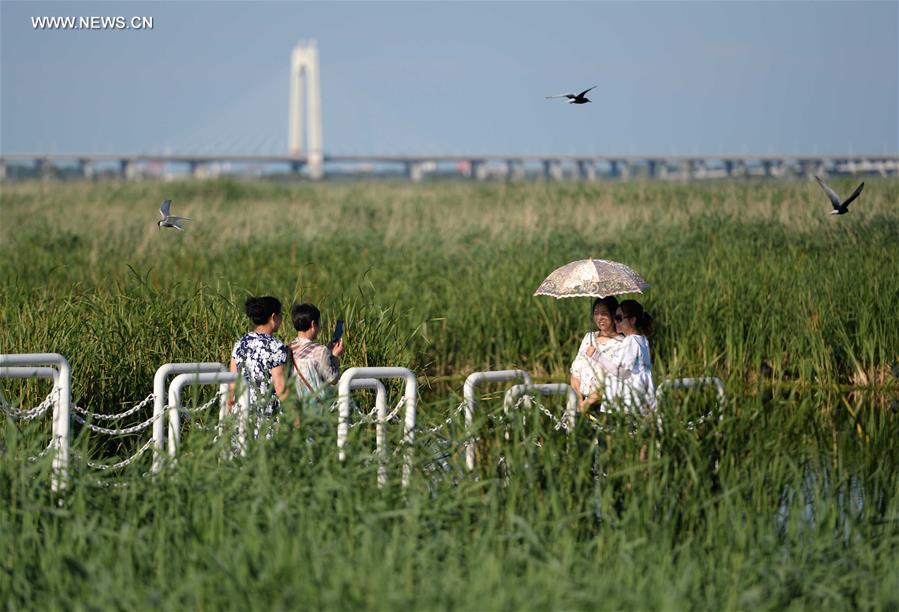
[602, 279]
[587, 378]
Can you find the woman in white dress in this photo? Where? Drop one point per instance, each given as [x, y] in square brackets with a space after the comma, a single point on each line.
[628, 384]
[587, 378]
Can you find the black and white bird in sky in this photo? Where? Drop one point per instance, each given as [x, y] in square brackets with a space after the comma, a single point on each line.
[169, 220]
[839, 207]
[574, 98]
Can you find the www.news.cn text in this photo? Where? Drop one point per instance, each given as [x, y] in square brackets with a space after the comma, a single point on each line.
[92, 23]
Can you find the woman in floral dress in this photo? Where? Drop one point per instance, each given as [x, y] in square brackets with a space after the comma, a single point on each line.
[261, 359]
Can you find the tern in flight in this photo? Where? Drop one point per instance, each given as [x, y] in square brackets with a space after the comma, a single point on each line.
[839, 208]
[574, 98]
[169, 220]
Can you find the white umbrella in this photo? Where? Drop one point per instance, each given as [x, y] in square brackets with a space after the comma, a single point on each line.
[591, 278]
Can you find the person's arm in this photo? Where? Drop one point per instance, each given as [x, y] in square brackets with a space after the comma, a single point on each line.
[279, 379]
[330, 363]
[233, 369]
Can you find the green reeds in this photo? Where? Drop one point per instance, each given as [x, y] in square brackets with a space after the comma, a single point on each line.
[783, 497]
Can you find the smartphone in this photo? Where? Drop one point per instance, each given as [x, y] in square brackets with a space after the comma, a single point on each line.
[338, 332]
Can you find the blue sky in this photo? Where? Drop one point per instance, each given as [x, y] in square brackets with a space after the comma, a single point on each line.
[458, 78]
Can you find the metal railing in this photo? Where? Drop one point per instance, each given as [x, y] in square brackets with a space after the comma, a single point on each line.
[471, 402]
[410, 398]
[223, 379]
[61, 373]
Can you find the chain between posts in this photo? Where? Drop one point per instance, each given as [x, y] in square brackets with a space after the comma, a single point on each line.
[32, 413]
[115, 417]
[372, 417]
[118, 432]
[123, 463]
[447, 421]
[139, 426]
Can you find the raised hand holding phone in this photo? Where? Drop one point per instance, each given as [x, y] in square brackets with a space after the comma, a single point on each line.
[337, 339]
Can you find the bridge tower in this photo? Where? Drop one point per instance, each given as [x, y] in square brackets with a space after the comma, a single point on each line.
[304, 63]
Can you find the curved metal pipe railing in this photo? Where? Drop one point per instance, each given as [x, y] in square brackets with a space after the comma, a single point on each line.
[471, 402]
[410, 396]
[62, 409]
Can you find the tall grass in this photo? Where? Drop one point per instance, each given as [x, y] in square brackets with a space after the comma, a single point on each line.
[787, 500]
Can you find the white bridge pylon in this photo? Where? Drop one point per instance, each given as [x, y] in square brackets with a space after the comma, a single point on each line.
[304, 63]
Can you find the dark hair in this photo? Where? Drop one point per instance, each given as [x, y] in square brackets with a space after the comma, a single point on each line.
[642, 320]
[304, 315]
[610, 301]
[260, 309]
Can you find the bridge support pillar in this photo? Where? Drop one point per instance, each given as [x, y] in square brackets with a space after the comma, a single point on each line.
[42, 168]
[619, 169]
[87, 169]
[586, 170]
[552, 169]
[478, 169]
[514, 170]
[690, 169]
[193, 168]
[414, 171]
[126, 169]
[652, 167]
[2, 170]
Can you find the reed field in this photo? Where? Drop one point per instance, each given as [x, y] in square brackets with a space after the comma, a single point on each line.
[784, 497]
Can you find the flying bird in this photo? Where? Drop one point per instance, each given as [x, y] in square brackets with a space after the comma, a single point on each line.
[839, 208]
[574, 98]
[169, 220]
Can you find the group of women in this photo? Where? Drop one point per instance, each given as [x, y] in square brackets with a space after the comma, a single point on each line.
[267, 365]
[613, 369]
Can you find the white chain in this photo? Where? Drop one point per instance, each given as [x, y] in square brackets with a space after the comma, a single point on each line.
[121, 464]
[372, 417]
[33, 413]
[118, 432]
[43, 453]
[111, 417]
[202, 407]
[447, 421]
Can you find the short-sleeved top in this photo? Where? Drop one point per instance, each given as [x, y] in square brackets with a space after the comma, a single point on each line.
[317, 365]
[256, 355]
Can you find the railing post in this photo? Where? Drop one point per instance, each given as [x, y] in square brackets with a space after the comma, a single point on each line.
[411, 398]
[471, 402]
[380, 428]
[61, 410]
[159, 396]
[517, 391]
[208, 378]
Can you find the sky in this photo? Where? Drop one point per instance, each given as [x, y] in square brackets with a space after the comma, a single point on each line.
[419, 78]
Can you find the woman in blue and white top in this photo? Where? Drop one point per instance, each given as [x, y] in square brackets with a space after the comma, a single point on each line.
[628, 382]
[261, 359]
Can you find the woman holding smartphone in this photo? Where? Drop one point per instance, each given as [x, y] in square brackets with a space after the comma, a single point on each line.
[315, 366]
